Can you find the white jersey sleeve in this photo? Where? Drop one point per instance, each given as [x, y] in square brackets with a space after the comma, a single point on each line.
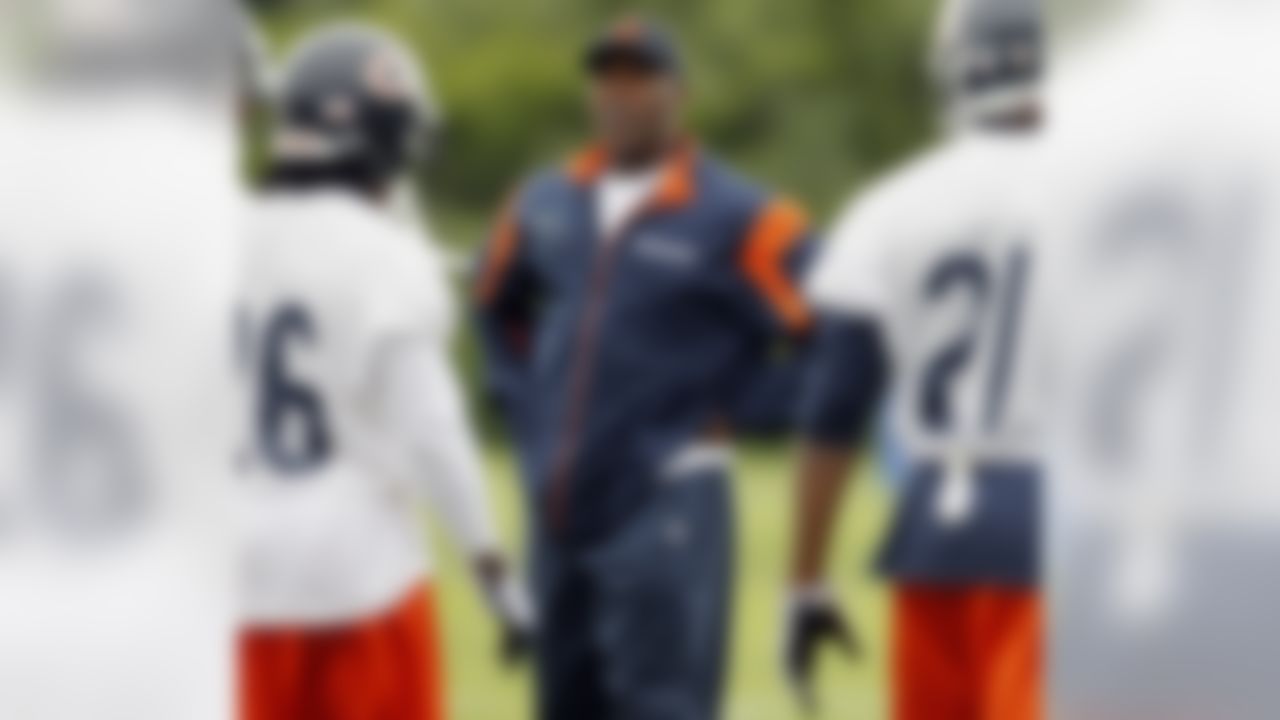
[409, 298]
[850, 277]
[410, 320]
[423, 409]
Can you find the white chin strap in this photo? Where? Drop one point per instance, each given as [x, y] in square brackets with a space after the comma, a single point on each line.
[980, 108]
[301, 145]
[406, 207]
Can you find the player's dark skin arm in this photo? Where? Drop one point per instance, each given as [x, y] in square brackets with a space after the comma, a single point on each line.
[820, 487]
[844, 385]
[814, 617]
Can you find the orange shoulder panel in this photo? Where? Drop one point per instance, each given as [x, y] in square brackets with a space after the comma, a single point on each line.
[500, 254]
[776, 231]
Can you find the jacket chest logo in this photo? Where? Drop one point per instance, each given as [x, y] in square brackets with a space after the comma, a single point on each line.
[668, 252]
[549, 229]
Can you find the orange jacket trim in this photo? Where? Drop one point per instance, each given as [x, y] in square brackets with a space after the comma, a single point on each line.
[776, 232]
[676, 189]
[500, 255]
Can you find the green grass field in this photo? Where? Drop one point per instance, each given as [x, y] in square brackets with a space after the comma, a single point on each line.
[482, 690]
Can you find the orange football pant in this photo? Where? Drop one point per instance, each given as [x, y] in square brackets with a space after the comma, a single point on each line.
[387, 668]
[967, 653]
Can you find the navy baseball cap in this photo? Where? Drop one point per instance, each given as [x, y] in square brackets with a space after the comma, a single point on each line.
[634, 40]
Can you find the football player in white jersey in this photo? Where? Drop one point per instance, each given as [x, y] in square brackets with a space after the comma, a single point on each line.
[925, 291]
[358, 417]
[1162, 515]
[118, 409]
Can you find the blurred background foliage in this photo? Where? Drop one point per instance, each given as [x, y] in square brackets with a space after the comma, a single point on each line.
[813, 97]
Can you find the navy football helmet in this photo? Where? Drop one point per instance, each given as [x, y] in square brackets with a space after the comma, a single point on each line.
[352, 99]
[989, 55]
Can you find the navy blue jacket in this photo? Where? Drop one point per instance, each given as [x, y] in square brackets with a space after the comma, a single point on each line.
[611, 354]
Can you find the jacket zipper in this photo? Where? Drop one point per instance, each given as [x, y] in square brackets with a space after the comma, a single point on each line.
[582, 370]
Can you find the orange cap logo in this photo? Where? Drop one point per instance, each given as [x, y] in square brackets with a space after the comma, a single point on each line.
[629, 30]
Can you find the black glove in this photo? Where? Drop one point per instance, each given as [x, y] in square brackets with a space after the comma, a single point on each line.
[813, 618]
[509, 602]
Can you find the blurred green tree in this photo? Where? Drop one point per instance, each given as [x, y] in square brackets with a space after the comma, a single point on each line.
[814, 97]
